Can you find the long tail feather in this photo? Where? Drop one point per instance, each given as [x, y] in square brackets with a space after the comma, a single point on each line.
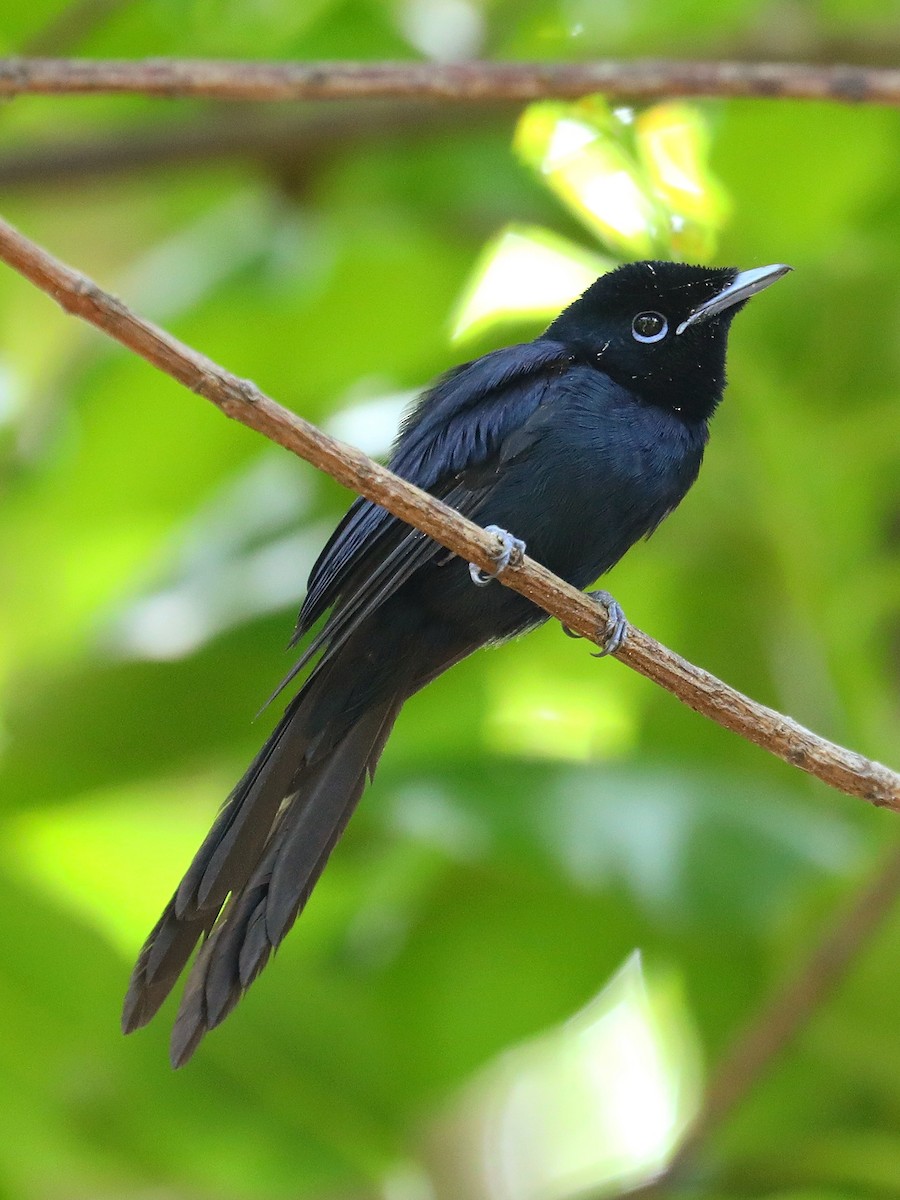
[266, 851]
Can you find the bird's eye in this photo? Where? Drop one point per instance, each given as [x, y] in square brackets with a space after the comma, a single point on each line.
[649, 327]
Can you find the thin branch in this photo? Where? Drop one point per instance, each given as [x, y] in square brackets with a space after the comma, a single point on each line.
[298, 144]
[470, 81]
[787, 1012]
[790, 1008]
[72, 25]
[239, 398]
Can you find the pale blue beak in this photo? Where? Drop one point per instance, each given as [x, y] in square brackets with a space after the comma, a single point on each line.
[741, 288]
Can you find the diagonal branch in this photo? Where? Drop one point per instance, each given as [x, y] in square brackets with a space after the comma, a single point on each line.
[239, 398]
[471, 81]
[72, 25]
[783, 1016]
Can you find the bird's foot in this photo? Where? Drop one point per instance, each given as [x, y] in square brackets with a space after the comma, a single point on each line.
[511, 551]
[616, 624]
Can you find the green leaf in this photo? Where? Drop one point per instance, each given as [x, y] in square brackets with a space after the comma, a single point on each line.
[524, 274]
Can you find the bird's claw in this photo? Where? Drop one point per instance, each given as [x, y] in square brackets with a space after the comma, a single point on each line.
[512, 550]
[616, 624]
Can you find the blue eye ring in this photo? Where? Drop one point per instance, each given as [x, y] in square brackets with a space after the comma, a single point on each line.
[649, 327]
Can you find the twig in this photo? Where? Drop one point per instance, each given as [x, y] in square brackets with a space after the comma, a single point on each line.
[478, 81]
[298, 144]
[72, 25]
[238, 398]
[757, 1049]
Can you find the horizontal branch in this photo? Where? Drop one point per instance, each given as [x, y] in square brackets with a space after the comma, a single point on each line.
[239, 398]
[470, 81]
[296, 143]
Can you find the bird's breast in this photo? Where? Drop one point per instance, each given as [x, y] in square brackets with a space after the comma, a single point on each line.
[597, 480]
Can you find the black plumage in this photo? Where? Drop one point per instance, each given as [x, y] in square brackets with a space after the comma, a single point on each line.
[580, 443]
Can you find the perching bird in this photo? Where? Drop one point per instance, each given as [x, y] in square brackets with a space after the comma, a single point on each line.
[578, 443]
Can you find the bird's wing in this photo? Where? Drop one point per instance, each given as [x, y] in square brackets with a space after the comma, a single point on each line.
[457, 430]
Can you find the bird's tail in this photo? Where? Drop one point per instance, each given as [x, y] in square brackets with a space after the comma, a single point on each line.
[263, 855]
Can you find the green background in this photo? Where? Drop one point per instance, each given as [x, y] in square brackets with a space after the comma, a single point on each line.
[538, 815]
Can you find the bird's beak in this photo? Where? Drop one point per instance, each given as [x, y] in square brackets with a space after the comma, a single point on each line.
[741, 288]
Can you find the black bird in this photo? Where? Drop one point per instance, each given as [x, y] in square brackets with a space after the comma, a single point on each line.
[578, 443]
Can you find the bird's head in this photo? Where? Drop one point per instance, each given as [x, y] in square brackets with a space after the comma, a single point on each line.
[661, 328]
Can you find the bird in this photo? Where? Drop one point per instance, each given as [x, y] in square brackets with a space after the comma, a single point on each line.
[575, 445]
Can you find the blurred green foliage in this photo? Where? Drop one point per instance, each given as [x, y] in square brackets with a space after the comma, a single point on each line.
[538, 815]
[639, 181]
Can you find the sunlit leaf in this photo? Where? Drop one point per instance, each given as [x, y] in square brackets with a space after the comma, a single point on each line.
[673, 144]
[581, 159]
[524, 274]
[597, 1102]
